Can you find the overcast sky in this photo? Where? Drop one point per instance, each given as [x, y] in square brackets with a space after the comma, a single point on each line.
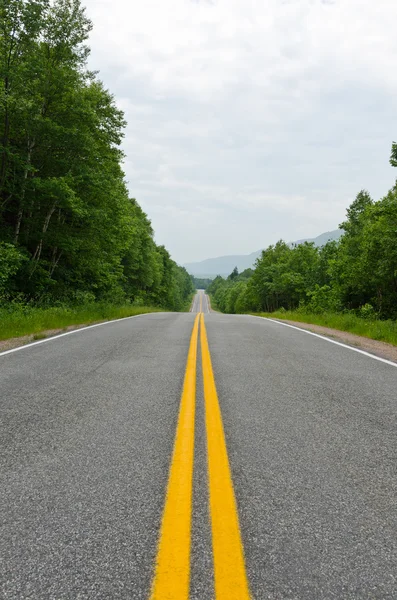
[249, 120]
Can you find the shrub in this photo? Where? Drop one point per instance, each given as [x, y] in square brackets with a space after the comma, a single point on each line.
[11, 259]
[367, 311]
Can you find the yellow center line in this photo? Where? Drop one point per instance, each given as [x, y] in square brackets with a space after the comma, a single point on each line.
[229, 566]
[201, 303]
[172, 572]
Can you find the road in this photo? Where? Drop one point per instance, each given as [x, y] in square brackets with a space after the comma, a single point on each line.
[201, 303]
[289, 489]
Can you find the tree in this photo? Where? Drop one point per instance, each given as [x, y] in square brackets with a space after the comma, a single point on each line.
[64, 204]
[393, 157]
[234, 274]
[351, 273]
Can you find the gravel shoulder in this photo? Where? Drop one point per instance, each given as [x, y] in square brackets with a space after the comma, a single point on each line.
[382, 349]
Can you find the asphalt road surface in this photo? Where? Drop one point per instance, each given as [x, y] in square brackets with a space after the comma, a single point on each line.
[200, 303]
[290, 490]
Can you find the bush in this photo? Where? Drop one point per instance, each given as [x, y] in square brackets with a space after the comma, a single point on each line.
[11, 259]
[321, 299]
[367, 312]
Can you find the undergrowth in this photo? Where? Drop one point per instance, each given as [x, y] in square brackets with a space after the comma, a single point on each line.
[18, 320]
[376, 329]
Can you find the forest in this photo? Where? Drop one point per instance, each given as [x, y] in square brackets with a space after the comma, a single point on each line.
[200, 283]
[70, 234]
[355, 275]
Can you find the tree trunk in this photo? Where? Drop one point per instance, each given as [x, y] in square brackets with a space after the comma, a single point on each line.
[55, 261]
[37, 254]
[6, 130]
[22, 197]
[3, 165]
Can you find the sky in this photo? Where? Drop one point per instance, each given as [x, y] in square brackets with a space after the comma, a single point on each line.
[249, 121]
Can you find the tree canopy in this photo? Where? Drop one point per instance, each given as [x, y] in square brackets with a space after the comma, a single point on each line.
[359, 272]
[68, 228]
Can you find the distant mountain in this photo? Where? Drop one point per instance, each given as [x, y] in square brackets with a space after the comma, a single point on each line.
[323, 238]
[224, 265]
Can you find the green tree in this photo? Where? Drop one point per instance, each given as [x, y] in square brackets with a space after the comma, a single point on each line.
[379, 256]
[351, 272]
[393, 157]
[64, 205]
[234, 274]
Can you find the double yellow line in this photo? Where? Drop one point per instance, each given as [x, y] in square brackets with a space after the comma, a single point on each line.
[172, 573]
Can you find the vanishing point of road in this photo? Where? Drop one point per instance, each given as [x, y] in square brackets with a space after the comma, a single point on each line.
[176, 456]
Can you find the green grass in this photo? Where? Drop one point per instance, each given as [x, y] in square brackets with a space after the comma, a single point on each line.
[213, 304]
[188, 304]
[385, 331]
[16, 321]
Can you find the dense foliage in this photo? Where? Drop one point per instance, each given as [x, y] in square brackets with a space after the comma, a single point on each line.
[358, 273]
[69, 232]
[200, 283]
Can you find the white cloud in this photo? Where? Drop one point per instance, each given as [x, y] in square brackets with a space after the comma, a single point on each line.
[250, 120]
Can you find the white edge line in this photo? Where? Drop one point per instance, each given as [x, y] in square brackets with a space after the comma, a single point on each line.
[56, 337]
[322, 337]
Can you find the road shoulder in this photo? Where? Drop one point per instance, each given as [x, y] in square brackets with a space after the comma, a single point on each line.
[381, 349]
[23, 340]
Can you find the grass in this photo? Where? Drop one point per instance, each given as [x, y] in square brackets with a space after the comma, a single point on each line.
[213, 304]
[17, 321]
[188, 304]
[384, 331]
[39, 336]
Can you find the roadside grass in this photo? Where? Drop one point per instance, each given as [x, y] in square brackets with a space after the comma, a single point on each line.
[213, 304]
[384, 331]
[39, 336]
[188, 304]
[17, 320]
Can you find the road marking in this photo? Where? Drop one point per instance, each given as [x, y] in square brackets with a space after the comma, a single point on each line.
[322, 337]
[207, 304]
[60, 335]
[172, 573]
[229, 566]
[201, 303]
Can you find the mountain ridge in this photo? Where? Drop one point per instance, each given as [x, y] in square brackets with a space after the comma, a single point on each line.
[224, 265]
